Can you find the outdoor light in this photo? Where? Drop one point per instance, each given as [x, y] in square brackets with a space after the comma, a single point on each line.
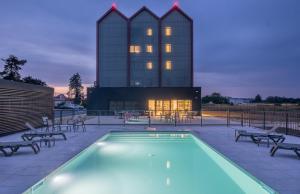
[114, 6]
[61, 179]
[168, 181]
[176, 4]
[101, 143]
[168, 164]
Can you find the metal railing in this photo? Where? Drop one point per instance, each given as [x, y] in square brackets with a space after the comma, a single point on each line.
[287, 121]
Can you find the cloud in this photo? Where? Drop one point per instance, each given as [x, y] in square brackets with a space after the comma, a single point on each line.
[241, 48]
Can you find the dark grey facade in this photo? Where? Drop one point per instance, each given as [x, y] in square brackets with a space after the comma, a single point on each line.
[181, 45]
[112, 44]
[140, 24]
[142, 58]
[136, 98]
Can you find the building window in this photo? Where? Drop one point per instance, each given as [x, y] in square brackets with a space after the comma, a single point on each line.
[151, 105]
[149, 32]
[135, 49]
[149, 65]
[149, 48]
[131, 49]
[168, 48]
[168, 65]
[169, 107]
[168, 31]
[173, 105]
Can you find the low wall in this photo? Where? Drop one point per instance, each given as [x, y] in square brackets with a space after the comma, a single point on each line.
[20, 103]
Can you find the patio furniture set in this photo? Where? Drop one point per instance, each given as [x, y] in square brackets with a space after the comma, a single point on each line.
[35, 138]
[179, 117]
[277, 139]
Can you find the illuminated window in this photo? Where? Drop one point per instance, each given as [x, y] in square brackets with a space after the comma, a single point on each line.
[169, 106]
[149, 48]
[151, 104]
[184, 105]
[168, 48]
[168, 65]
[168, 31]
[159, 107]
[149, 32]
[166, 107]
[135, 49]
[131, 49]
[149, 65]
[173, 105]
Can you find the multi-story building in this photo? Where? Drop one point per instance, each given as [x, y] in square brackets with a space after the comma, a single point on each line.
[145, 62]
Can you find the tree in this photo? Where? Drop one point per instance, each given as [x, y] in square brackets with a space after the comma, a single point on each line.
[257, 99]
[31, 80]
[75, 88]
[12, 67]
[281, 100]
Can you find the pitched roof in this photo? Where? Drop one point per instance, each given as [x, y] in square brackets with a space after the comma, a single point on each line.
[113, 9]
[144, 8]
[176, 8]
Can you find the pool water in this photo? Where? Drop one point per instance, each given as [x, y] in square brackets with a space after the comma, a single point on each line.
[149, 163]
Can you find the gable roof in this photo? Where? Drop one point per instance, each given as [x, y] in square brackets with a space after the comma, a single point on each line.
[176, 8]
[113, 9]
[144, 8]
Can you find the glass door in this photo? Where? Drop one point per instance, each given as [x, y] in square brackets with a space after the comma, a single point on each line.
[166, 107]
[159, 108]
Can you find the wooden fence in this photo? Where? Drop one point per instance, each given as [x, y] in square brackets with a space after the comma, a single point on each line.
[20, 103]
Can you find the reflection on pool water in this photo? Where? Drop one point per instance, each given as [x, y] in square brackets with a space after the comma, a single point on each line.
[149, 163]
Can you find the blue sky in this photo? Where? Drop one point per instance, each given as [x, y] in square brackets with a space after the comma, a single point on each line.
[241, 48]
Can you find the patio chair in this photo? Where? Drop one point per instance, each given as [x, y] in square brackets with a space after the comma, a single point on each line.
[9, 148]
[58, 127]
[257, 137]
[286, 146]
[79, 122]
[28, 136]
[45, 123]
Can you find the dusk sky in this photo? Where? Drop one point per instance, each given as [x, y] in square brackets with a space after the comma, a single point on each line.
[241, 47]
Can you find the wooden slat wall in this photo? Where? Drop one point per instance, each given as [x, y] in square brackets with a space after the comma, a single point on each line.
[20, 103]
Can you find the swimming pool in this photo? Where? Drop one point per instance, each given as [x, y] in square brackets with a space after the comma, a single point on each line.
[149, 163]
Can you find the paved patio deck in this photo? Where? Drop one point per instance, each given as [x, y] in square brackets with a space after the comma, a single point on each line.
[281, 172]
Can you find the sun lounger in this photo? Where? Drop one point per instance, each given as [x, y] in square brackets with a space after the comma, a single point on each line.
[286, 146]
[257, 138]
[9, 148]
[34, 133]
[47, 141]
[31, 135]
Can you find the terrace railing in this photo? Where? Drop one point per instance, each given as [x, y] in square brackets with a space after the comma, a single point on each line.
[287, 121]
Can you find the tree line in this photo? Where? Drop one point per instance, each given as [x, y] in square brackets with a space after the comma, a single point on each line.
[13, 66]
[217, 98]
[276, 100]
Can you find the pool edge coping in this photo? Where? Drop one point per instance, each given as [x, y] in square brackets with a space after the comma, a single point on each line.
[194, 133]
